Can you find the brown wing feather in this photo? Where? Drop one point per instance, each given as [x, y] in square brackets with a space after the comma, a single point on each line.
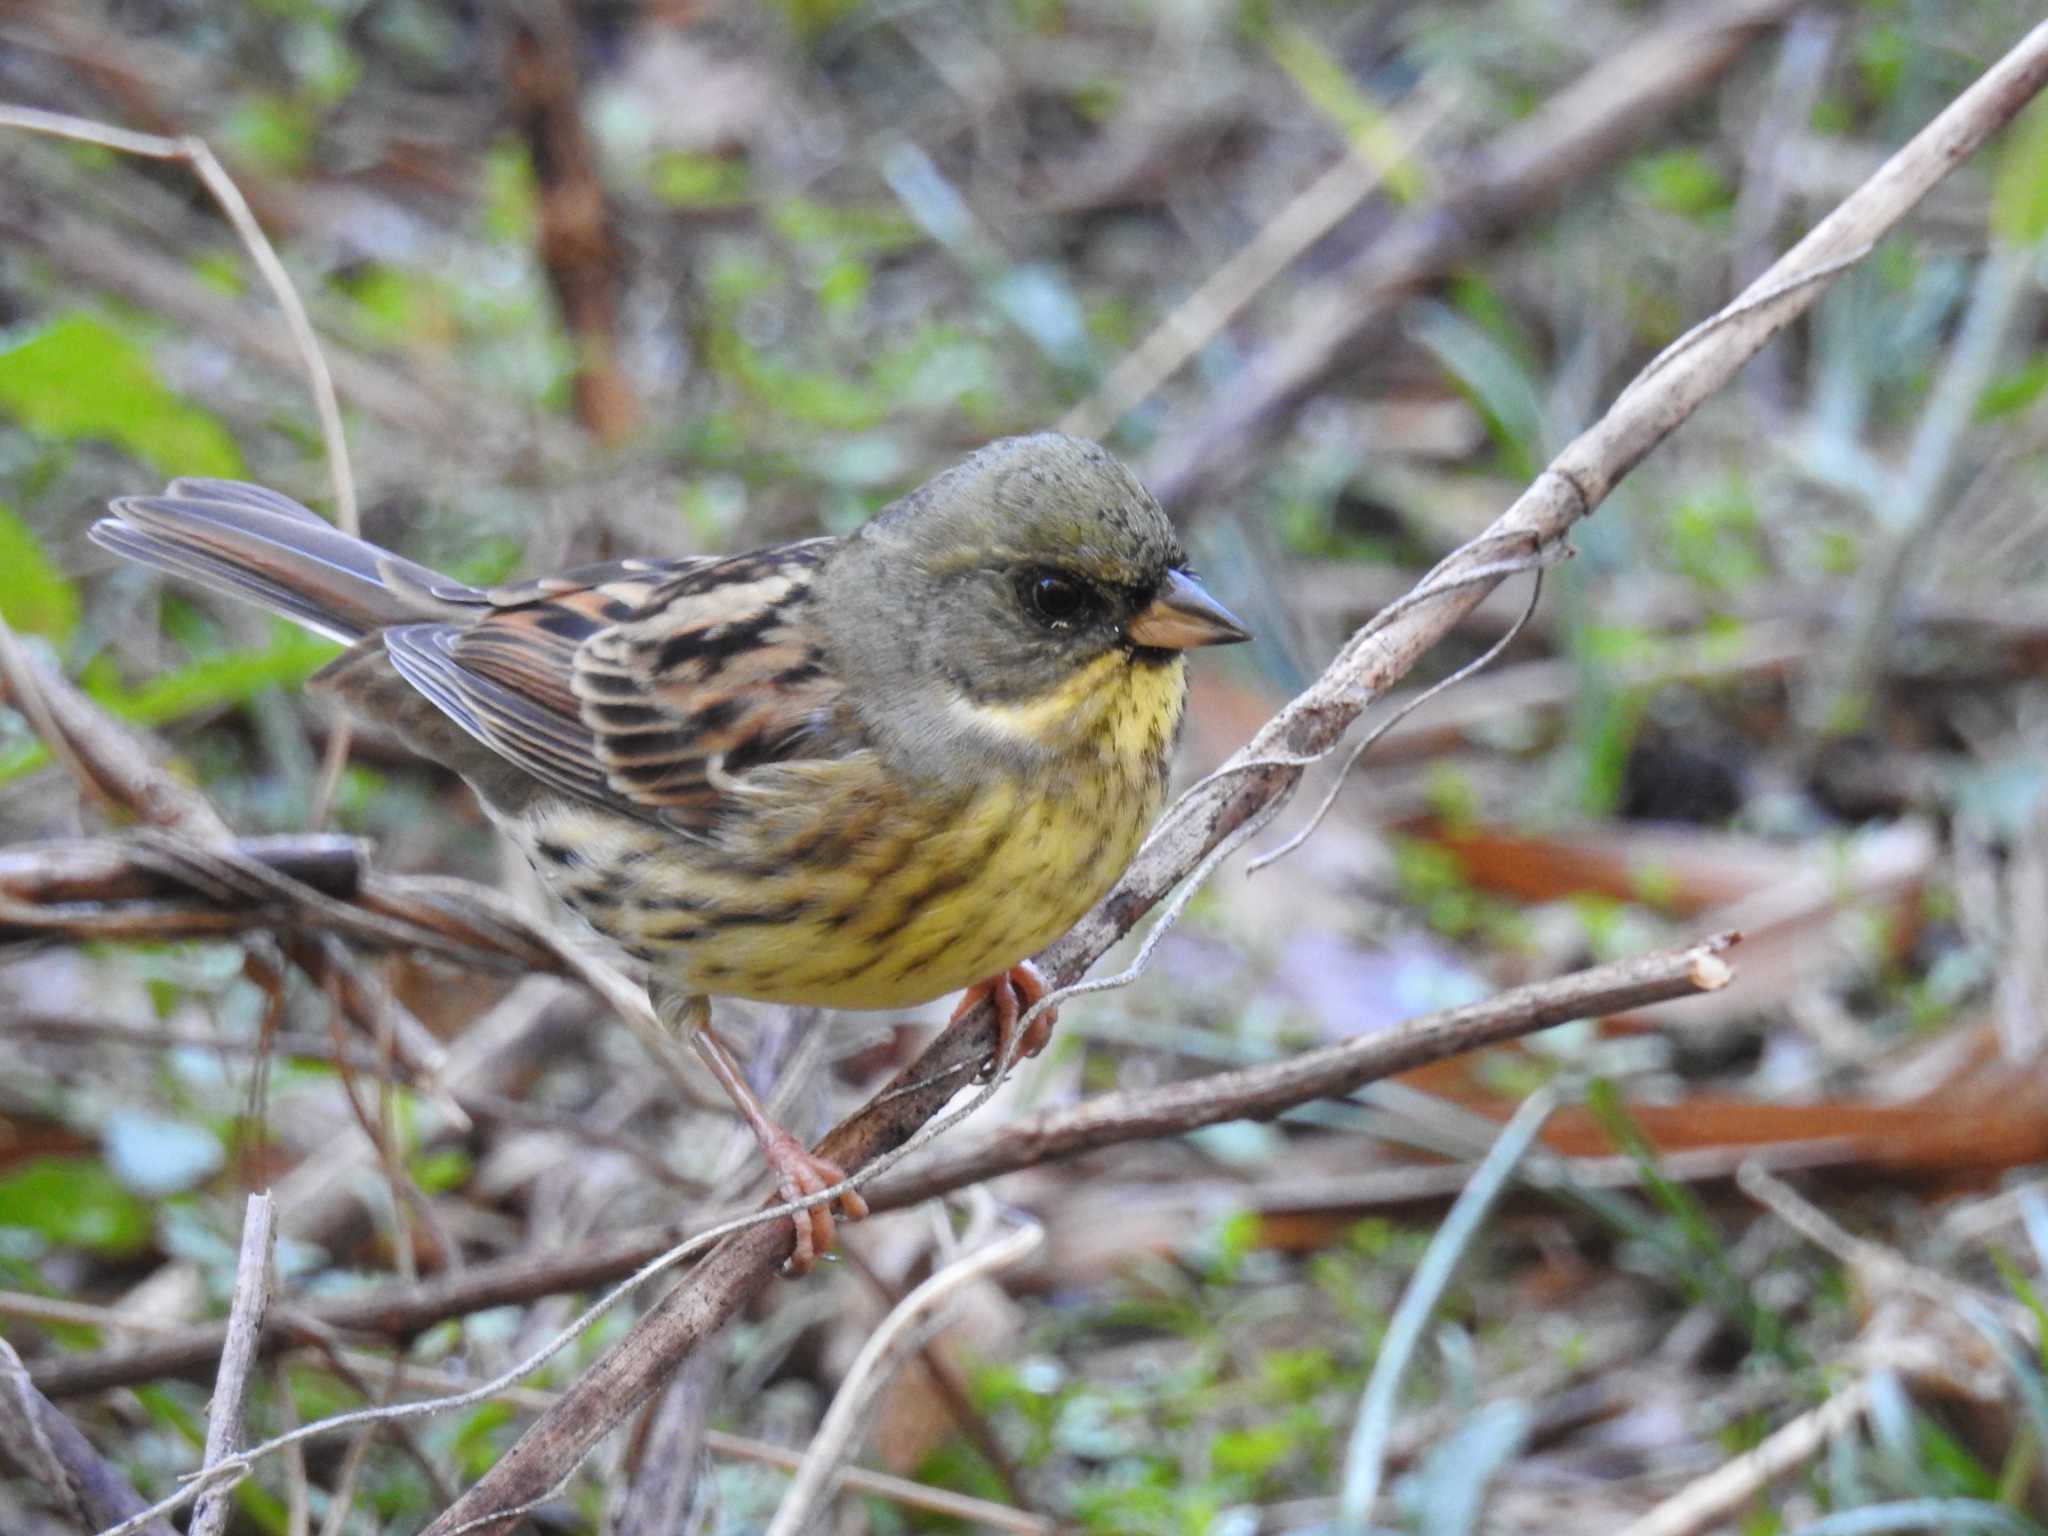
[720, 673]
[645, 687]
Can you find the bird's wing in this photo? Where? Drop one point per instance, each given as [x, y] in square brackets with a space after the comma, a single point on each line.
[648, 688]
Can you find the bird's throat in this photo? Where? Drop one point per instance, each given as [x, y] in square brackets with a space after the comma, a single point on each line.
[1116, 708]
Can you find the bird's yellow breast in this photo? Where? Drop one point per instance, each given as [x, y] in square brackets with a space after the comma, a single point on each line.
[839, 884]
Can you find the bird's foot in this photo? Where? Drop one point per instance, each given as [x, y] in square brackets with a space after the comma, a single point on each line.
[800, 1172]
[1012, 994]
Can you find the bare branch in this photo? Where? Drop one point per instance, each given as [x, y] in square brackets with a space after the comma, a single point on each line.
[207, 167]
[1725, 1490]
[49, 1450]
[1330, 1072]
[1500, 188]
[885, 1350]
[237, 1359]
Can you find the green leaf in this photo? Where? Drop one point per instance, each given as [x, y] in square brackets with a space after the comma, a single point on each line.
[273, 131]
[74, 1202]
[437, 1172]
[510, 195]
[1497, 381]
[686, 180]
[2013, 392]
[35, 596]
[811, 18]
[1681, 181]
[211, 682]
[1330, 89]
[78, 377]
[215, 681]
[1251, 1453]
[2019, 187]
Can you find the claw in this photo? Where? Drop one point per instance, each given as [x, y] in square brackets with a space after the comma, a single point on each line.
[1012, 994]
[800, 1172]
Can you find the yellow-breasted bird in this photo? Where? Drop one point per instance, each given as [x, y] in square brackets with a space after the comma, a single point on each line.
[854, 773]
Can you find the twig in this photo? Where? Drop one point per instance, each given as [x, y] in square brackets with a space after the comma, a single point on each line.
[396, 1312]
[886, 1349]
[1879, 1268]
[298, 1518]
[238, 1358]
[1718, 1495]
[1403, 709]
[637, 1365]
[53, 1455]
[663, 1468]
[1501, 188]
[1223, 295]
[763, 1239]
[399, 1312]
[213, 175]
[947, 1381]
[111, 763]
[1257, 1092]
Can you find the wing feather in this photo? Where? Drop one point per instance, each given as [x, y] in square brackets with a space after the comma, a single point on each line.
[645, 687]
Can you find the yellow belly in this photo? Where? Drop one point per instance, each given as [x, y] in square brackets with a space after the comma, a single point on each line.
[918, 907]
[834, 885]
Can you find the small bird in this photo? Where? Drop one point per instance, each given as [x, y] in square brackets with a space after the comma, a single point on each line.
[854, 772]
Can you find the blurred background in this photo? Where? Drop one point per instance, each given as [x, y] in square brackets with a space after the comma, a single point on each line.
[616, 278]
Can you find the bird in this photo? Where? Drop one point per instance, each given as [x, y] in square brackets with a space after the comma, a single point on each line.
[855, 772]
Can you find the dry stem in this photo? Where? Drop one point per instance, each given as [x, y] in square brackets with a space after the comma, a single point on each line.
[231, 1388]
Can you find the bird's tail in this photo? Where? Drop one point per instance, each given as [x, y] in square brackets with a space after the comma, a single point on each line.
[256, 544]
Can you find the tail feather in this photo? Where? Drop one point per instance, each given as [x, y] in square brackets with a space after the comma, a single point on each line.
[241, 493]
[253, 543]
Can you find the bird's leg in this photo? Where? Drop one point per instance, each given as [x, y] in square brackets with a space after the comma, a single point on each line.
[798, 1171]
[1011, 994]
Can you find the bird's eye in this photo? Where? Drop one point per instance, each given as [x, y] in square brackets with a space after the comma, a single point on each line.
[1055, 599]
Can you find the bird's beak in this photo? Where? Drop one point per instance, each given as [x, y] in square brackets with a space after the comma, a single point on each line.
[1182, 617]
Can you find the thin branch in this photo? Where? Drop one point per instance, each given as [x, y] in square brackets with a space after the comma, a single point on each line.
[885, 1350]
[1498, 189]
[395, 1312]
[1332, 1071]
[948, 1382]
[238, 1358]
[1716, 1497]
[49, 1450]
[758, 1236]
[1223, 295]
[213, 175]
